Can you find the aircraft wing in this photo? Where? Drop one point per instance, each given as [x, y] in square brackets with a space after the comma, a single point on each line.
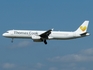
[45, 35]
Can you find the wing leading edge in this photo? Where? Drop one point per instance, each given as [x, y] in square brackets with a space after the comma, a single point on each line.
[44, 36]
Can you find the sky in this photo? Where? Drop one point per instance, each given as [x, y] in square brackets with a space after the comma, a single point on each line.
[63, 15]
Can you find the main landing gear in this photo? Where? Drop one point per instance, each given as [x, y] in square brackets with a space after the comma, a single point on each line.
[45, 42]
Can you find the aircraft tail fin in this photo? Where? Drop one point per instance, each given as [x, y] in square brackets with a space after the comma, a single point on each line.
[83, 28]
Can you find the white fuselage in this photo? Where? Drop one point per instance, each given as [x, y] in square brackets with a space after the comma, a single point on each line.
[42, 36]
[29, 33]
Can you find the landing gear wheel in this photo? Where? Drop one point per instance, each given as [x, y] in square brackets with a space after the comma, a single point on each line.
[45, 42]
[12, 40]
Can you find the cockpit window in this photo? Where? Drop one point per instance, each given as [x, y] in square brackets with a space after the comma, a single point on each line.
[7, 32]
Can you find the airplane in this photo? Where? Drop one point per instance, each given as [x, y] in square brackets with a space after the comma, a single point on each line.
[43, 36]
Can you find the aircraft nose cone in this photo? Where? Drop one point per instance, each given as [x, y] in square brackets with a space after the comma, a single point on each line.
[3, 34]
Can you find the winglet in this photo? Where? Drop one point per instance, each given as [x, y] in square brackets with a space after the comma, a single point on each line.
[83, 28]
[52, 29]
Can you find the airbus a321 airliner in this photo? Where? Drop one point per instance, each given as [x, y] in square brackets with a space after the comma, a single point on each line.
[42, 36]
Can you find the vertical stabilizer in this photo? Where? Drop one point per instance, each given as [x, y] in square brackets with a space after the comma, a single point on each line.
[83, 28]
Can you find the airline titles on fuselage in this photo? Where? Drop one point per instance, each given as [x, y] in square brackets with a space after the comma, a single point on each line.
[26, 33]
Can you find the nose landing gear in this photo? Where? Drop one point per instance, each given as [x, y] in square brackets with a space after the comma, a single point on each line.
[12, 40]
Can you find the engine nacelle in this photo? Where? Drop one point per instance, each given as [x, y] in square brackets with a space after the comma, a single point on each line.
[36, 38]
